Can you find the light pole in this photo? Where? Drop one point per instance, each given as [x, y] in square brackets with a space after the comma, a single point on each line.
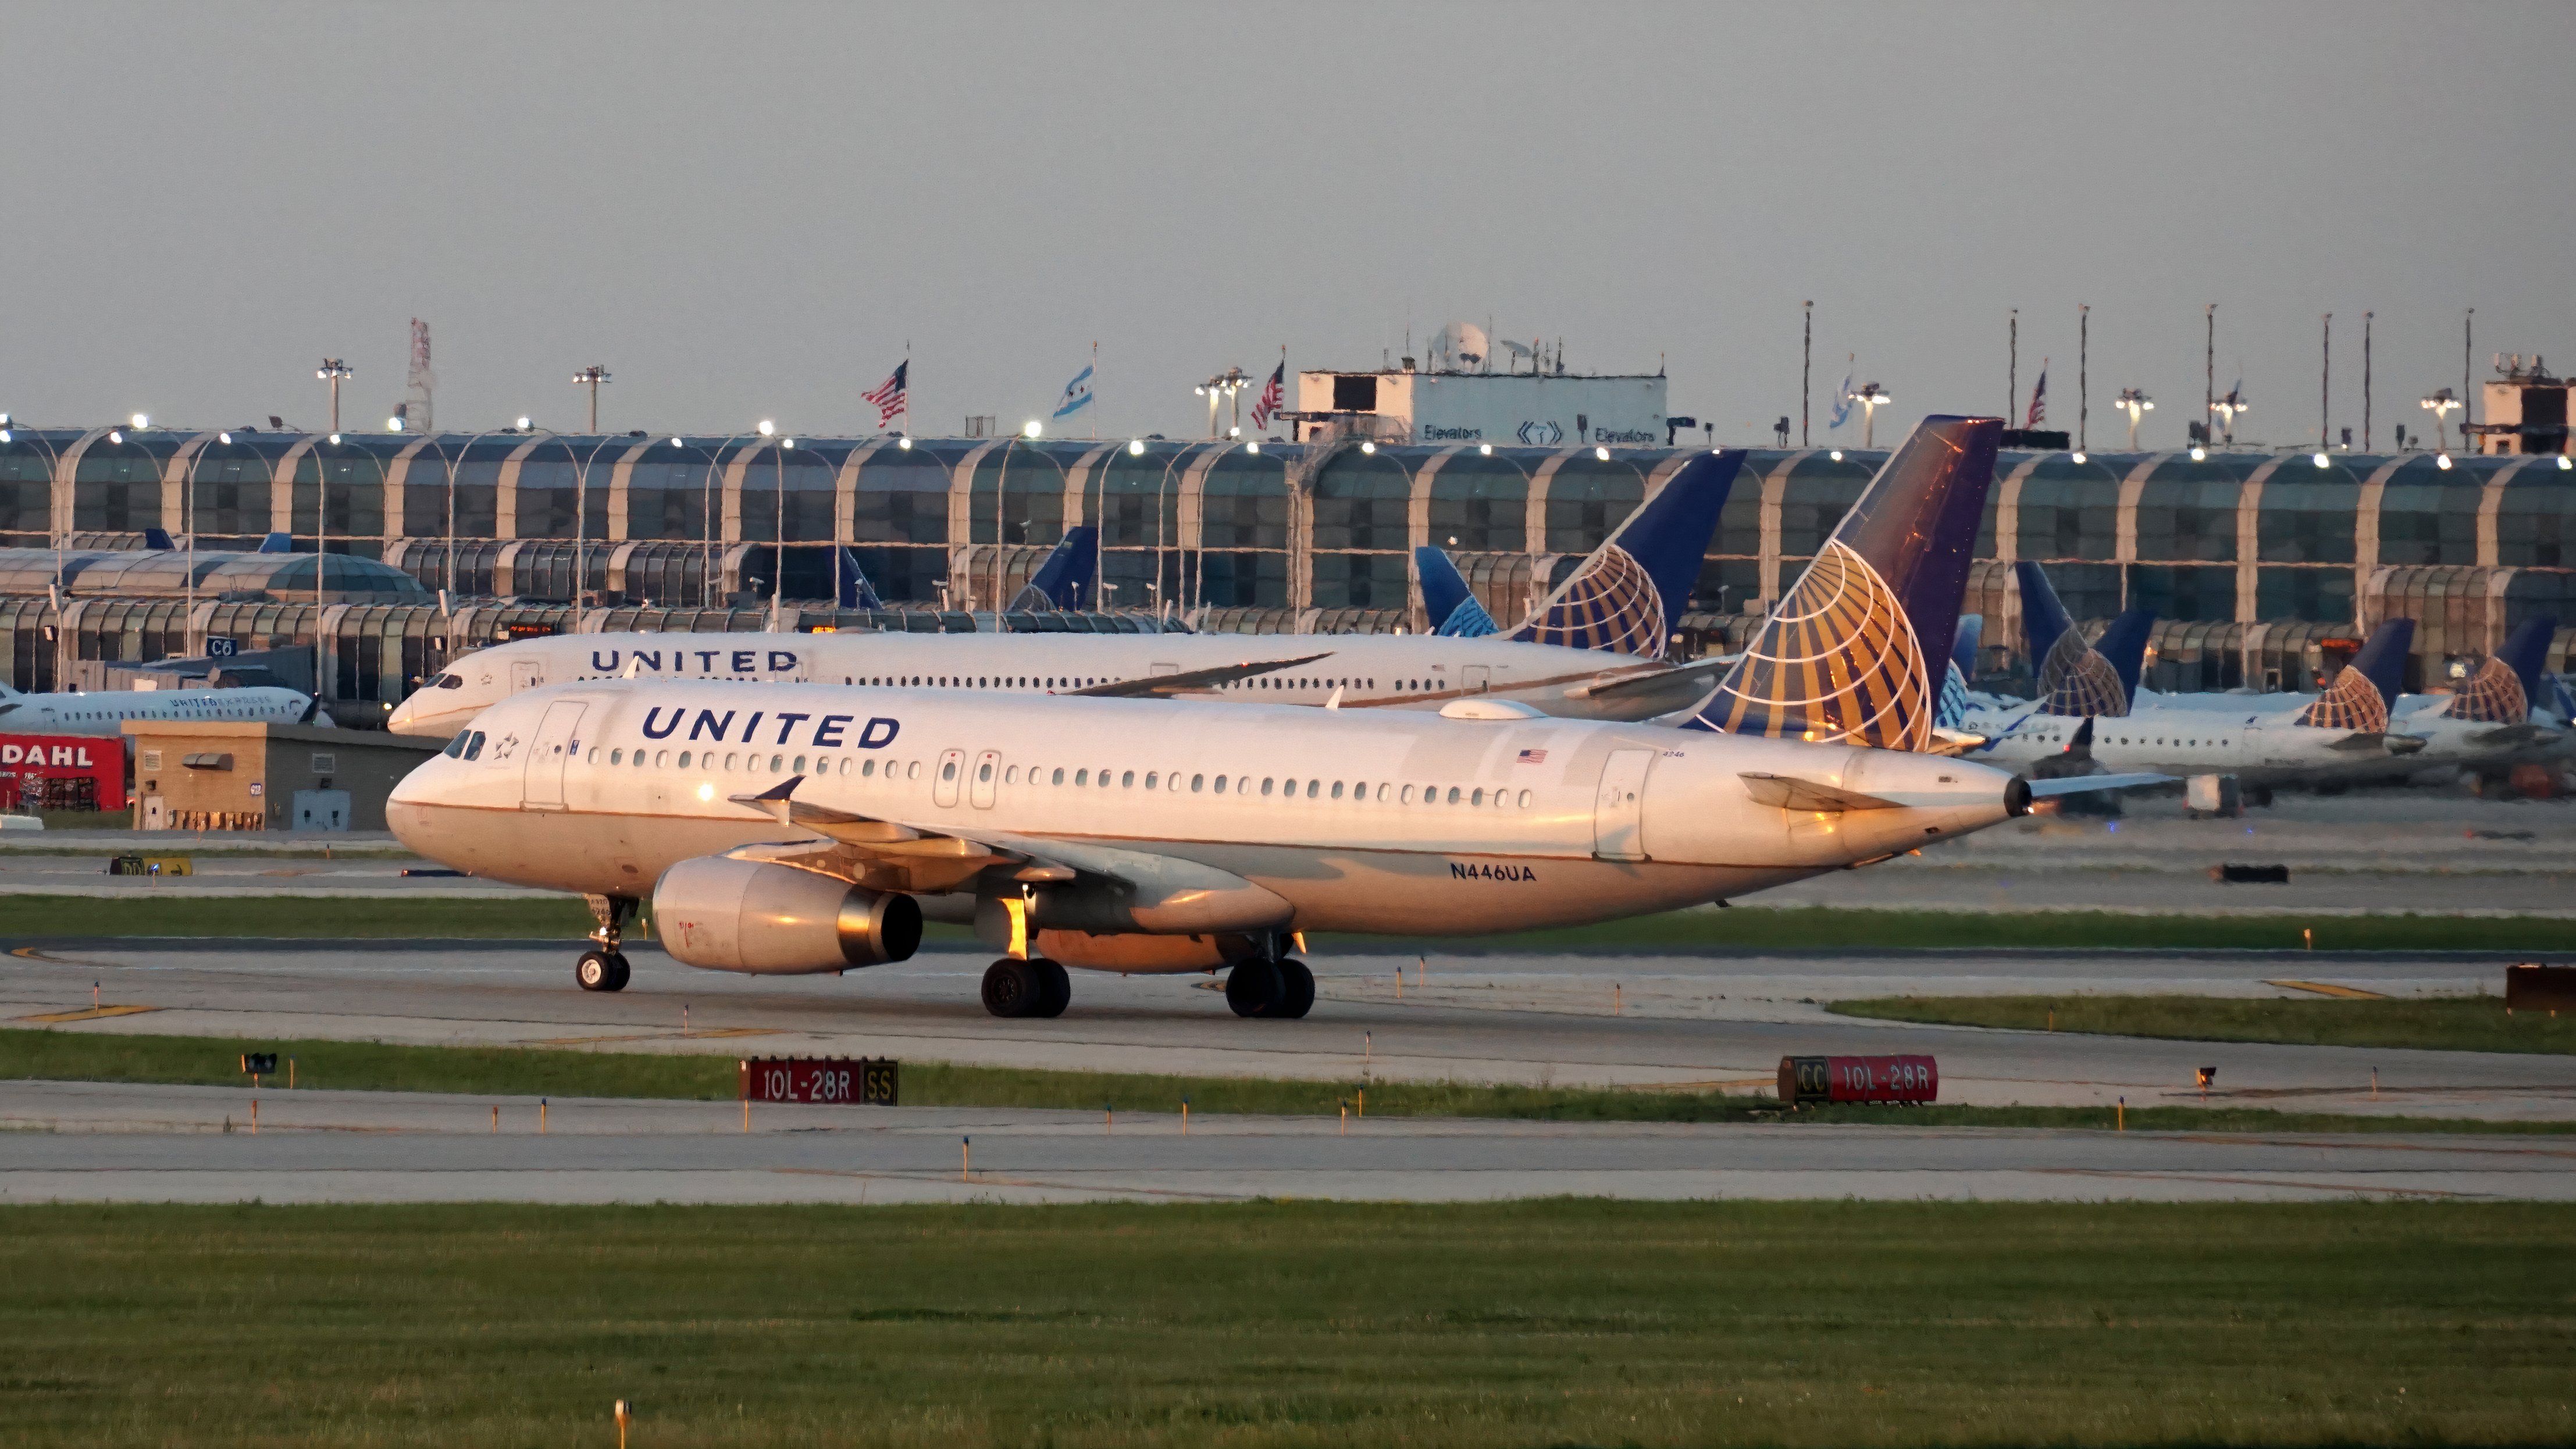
[2083, 375]
[333, 371]
[581, 520]
[2227, 408]
[1228, 384]
[591, 377]
[2440, 405]
[1871, 398]
[2133, 402]
[188, 519]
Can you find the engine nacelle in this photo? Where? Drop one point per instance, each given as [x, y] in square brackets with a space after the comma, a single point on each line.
[775, 920]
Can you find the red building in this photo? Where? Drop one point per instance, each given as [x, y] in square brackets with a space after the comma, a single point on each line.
[61, 772]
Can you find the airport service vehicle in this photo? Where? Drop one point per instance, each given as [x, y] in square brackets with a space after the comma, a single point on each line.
[105, 712]
[809, 828]
[1594, 648]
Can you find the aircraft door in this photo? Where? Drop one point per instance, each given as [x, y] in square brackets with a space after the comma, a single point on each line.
[551, 752]
[1477, 678]
[526, 674]
[988, 772]
[943, 787]
[1618, 809]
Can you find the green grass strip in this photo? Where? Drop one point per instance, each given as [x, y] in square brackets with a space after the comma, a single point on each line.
[73, 1055]
[2443, 1023]
[1297, 1325]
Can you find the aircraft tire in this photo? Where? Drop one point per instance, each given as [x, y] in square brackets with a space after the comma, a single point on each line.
[1254, 988]
[1055, 990]
[597, 971]
[1011, 988]
[1297, 990]
[620, 972]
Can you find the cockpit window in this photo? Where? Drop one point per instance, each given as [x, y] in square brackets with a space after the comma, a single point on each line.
[456, 747]
[448, 681]
[474, 746]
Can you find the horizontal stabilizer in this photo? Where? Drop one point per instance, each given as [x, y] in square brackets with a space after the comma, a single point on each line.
[1689, 683]
[2082, 784]
[1191, 681]
[1791, 793]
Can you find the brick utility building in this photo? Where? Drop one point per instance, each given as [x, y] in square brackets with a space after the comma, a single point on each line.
[234, 775]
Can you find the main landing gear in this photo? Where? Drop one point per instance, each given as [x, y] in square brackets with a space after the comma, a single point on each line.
[1281, 988]
[603, 967]
[1035, 987]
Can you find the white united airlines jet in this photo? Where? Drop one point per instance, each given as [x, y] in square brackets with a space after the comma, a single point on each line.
[105, 712]
[806, 828]
[1596, 648]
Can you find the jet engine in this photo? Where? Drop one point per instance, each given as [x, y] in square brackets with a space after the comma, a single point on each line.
[775, 920]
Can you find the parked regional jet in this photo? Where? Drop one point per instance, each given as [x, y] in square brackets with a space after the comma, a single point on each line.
[105, 712]
[808, 828]
[2499, 716]
[2338, 736]
[1594, 649]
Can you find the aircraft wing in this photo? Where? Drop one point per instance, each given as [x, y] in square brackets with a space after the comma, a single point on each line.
[886, 854]
[2366, 741]
[2082, 784]
[1686, 684]
[1191, 681]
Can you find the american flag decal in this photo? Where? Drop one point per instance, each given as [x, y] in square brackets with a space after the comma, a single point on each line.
[1533, 757]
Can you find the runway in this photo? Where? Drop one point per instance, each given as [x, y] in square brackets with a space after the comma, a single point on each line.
[90, 1142]
[1707, 1023]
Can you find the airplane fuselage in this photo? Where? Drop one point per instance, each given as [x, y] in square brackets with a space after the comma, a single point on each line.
[1403, 671]
[105, 712]
[1378, 820]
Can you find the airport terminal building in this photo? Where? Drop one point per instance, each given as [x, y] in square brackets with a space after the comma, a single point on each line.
[2255, 559]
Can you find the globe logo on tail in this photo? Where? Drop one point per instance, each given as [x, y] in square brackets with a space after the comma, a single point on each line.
[2493, 695]
[2352, 702]
[1611, 604]
[2075, 680]
[1837, 662]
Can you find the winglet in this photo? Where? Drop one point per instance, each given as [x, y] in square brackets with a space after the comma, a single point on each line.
[1336, 701]
[778, 801]
[157, 540]
[1063, 581]
[1447, 601]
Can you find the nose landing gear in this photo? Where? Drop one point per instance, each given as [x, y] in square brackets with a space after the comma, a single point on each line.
[1270, 989]
[604, 968]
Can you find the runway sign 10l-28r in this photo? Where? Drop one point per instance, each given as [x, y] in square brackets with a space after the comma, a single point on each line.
[821, 1081]
[1909, 1078]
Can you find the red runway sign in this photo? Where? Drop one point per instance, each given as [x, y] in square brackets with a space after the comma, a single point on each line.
[1858, 1079]
[821, 1081]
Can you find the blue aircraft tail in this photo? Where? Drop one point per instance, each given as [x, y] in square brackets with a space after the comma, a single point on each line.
[2074, 678]
[1965, 642]
[1637, 585]
[158, 539]
[2510, 681]
[2360, 696]
[855, 590]
[1952, 711]
[1848, 654]
[277, 543]
[1064, 580]
[1447, 601]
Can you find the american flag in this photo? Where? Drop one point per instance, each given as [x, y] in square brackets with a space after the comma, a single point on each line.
[2038, 399]
[1271, 396]
[889, 396]
[1533, 757]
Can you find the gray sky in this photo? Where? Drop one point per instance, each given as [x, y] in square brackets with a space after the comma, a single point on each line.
[746, 210]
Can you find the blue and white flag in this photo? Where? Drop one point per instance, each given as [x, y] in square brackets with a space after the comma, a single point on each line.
[1077, 394]
[1843, 400]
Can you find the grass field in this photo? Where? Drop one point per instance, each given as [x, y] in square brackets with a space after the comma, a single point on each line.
[535, 1072]
[2453, 1023]
[1805, 927]
[1547, 1323]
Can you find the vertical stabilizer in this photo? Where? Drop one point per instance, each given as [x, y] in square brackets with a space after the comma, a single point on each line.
[1636, 586]
[2360, 695]
[1064, 580]
[2074, 678]
[1847, 655]
[855, 590]
[2507, 684]
[1447, 601]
